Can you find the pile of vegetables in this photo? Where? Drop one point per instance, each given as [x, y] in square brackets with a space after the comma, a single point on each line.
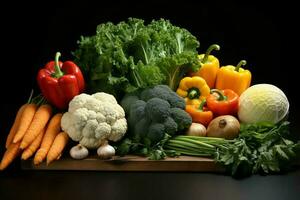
[137, 88]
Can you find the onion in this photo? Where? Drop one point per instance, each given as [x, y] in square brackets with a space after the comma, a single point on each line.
[196, 129]
[225, 126]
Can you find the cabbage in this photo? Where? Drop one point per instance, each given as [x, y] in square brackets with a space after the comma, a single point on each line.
[262, 103]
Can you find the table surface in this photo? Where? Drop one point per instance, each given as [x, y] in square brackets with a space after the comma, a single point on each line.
[148, 185]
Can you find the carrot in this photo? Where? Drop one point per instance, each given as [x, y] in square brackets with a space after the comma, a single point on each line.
[39, 122]
[10, 154]
[14, 127]
[25, 121]
[57, 147]
[31, 149]
[52, 130]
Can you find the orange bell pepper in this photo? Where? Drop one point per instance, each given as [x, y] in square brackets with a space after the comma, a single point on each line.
[199, 113]
[234, 78]
[226, 102]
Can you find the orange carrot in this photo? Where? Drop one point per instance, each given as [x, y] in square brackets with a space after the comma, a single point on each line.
[57, 147]
[39, 122]
[14, 127]
[10, 154]
[31, 149]
[25, 121]
[53, 129]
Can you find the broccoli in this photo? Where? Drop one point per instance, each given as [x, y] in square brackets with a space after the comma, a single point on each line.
[137, 112]
[127, 101]
[157, 109]
[170, 126]
[156, 132]
[165, 93]
[176, 101]
[182, 119]
[140, 128]
[159, 92]
[153, 113]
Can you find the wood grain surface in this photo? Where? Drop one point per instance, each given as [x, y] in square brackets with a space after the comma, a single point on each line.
[129, 163]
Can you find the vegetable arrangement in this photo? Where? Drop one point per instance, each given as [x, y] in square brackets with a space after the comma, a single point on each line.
[143, 89]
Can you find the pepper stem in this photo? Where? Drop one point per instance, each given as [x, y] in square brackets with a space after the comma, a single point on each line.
[202, 105]
[193, 93]
[241, 63]
[209, 50]
[58, 73]
[221, 97]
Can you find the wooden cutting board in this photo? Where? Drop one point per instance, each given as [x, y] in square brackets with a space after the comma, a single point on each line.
[129, 163]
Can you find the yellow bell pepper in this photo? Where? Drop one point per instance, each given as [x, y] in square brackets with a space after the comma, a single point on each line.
[193, 90]
[209, 66]
[234, 78]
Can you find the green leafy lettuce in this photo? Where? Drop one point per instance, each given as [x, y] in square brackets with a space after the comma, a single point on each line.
[130, 55]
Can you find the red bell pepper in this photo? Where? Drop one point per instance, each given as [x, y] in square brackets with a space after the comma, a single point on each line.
[60, 82]
[223, 102]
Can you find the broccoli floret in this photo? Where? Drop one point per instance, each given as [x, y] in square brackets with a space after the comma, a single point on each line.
[156, 132]
[157, 109]
[165, 93]
[158, 92]
[160, 111]
[176, 101]
[182, 118]
[127, 101]
[164, 87]
[141, 128]
[137, 112]
[146, 94]
[170, 126]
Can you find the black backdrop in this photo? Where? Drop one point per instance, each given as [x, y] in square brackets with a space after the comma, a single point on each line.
[31, 33]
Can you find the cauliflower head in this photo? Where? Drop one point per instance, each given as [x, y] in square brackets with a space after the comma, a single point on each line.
[92, 119]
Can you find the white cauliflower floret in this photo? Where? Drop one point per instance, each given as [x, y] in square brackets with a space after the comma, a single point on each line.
[120, 126]
[120, 110]
[78, 102]
[92, 119]
[104, 97]
[69, 128]
[93, 104]
[100, 117]
[80, 117]
[111, 114]
[92, 115]
[103, 131]
[89, 129]
[91, 143]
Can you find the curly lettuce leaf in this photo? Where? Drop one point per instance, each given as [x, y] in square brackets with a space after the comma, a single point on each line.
[131, 55]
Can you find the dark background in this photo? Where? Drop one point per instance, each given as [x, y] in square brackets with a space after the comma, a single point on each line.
[31, 33]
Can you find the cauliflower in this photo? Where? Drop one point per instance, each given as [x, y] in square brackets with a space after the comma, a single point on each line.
[93, 119]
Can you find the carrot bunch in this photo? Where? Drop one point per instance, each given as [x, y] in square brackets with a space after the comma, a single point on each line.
[34, 131]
